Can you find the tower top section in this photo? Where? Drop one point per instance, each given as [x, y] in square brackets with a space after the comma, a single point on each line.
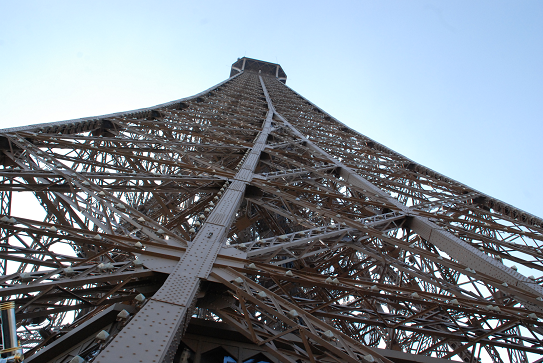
[255, 65]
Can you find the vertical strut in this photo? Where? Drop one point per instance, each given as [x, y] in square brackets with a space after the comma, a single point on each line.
[154, 333]
[5, 210]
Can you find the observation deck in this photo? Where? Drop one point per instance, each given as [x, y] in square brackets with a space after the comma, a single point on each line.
[255, 65]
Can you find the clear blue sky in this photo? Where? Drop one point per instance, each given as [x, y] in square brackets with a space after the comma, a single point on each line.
[455, 85]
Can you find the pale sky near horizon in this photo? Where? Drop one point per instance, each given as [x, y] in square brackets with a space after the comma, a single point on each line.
[454, 85]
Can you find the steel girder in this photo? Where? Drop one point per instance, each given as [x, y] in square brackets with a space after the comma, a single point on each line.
[248, 205]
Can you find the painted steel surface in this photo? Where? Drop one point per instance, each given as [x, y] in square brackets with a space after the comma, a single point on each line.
[249, 206]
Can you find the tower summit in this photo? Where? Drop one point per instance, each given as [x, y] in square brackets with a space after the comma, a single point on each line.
[255, 65]
[245, 224]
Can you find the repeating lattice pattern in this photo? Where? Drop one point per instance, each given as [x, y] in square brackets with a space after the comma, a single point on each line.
[339, 244]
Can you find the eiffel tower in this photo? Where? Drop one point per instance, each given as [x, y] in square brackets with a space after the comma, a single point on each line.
[245, 224]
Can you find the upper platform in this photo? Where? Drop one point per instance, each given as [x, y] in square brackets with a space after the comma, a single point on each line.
[255, 65]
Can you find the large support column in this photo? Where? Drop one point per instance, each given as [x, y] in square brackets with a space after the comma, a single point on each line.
[154, 333]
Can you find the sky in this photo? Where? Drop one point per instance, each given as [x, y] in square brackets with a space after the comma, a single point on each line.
[456, 86]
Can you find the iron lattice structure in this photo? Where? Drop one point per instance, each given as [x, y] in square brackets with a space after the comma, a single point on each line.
[248, 208]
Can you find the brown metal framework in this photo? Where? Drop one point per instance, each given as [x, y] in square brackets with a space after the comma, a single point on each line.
[248, 205]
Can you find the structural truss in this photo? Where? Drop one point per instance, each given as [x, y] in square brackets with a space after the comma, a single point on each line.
[248, 211]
